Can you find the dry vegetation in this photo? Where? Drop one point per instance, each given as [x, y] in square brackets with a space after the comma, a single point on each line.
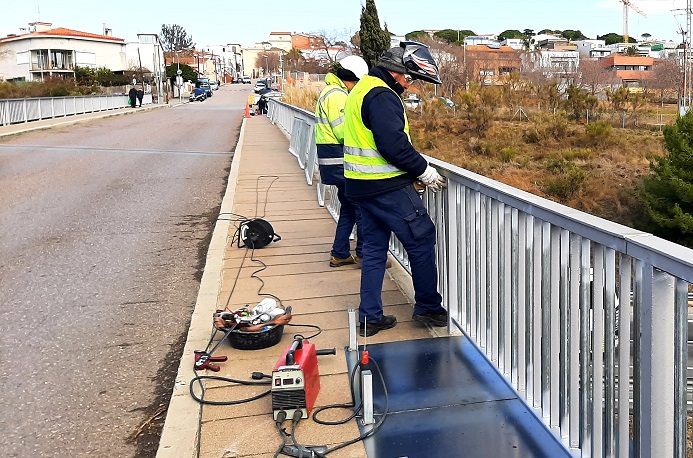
[594, 167]
[305, 97]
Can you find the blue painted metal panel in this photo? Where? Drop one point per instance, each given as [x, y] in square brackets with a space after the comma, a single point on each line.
[446, 400]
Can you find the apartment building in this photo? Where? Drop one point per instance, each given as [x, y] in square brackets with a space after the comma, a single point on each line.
[281, 40]
[632, 70]
[227, 61]
[552, 63]
[44, 51]
[487, 64]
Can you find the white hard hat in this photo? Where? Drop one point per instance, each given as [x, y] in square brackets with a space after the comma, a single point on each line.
[355, 65]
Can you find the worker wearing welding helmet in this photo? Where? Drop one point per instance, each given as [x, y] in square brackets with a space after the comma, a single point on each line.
[329, 140]
[381, 167]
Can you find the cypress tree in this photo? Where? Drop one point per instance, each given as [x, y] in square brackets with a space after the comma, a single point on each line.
[668, 193]
[374, 40]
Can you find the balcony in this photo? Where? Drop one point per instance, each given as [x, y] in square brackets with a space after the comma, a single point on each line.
[49, 60]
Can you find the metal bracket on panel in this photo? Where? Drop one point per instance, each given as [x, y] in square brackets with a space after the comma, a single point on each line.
[352, 329]
[367, 397]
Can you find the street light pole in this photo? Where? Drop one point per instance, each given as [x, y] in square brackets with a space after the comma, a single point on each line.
[281, 67]
[179, 78]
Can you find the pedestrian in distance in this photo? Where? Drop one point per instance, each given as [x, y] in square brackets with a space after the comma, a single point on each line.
[329, 141]
[133, 97]
[381, 167]
[262, 105]
[140, 96]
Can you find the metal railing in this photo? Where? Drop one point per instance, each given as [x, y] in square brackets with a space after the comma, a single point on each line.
[566, 305]
[15, 111]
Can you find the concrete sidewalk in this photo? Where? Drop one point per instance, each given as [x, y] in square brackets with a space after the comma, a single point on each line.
[298, 273]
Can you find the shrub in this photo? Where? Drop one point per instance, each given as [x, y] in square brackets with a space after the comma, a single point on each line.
[565, 184]
[546, 127]
[578, 102]
[480, 119]
[507, 154]
[431, 113]
[570, 154]
[598, 130]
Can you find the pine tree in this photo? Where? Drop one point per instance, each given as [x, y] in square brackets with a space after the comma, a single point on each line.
[374, 40]
[668, 193]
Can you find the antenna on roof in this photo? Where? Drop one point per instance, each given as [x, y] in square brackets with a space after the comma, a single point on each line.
[38, 12]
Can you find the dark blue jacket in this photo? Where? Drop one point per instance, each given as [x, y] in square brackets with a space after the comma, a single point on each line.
[383, 114]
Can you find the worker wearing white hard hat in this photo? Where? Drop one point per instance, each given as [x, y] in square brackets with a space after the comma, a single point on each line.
[329, 140]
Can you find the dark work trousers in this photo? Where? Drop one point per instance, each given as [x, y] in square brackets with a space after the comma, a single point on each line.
[402, 212]
[349, 214]
[133, 102]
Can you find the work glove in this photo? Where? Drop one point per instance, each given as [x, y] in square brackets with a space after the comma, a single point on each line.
[432, 179]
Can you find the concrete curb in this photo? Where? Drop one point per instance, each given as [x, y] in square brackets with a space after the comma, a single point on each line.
[66, 121]
[180, 433]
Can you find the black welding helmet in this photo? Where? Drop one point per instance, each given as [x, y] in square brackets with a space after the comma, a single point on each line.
[419, 62]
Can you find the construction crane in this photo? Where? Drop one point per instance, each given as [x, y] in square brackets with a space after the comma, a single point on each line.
[627, 4]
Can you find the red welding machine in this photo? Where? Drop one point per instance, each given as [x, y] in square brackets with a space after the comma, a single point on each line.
[296, 380]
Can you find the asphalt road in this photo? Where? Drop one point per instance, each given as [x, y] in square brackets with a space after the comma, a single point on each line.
[103, 231]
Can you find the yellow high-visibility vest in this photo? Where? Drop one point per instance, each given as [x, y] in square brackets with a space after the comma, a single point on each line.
[329, 112]
[362, 161]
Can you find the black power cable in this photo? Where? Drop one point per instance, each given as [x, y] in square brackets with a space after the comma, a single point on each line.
[201, 399]
[365, 435]
[236, 218]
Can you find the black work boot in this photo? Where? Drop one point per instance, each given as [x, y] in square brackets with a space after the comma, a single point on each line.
[387, 322]
[432, 319]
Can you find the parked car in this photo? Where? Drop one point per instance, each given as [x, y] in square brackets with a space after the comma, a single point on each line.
[412, 101]
[206, 86]
[198, 94]
[245, 79]
[448, 103]
[213, 85]
[260, 85]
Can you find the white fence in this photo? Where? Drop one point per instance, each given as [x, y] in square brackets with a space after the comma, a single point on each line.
[566, 305]
[15, 111]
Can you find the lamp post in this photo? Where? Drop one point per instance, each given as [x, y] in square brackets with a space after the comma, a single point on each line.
[266, 65]
[281, 68]
[179, 78]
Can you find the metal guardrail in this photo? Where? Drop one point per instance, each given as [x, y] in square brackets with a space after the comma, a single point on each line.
[15, 111]
[535, 285]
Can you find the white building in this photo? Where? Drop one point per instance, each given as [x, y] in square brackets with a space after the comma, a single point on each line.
[518, 44]
[280, 40]
[229, 61]
[147, 53]
[395, 40]
[593, 49]
[552, 62]
[331, 54]
[545, 41]
[473, 40]
[44, 51]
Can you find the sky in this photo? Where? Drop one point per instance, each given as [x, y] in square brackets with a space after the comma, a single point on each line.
[246, 22]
